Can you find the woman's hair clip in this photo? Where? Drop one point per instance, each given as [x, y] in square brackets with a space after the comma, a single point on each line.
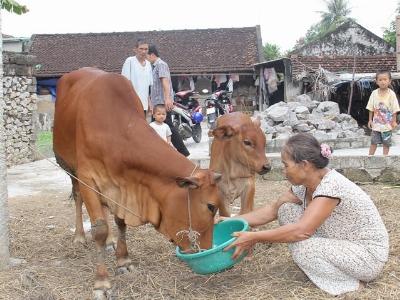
[326, 151]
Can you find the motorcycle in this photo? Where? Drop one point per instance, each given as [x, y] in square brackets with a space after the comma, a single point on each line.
[218, 104]
[187, 98]
[187, 118]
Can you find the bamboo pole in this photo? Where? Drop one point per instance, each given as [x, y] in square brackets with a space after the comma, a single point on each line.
[352, 85]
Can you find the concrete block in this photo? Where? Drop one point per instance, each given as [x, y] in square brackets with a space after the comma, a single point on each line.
[270, 145]
[375, 162]
[341, 145]
[357, 175]
[345, 162]
[357, 144]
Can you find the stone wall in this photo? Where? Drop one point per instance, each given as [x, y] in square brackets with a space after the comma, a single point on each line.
[19, 89]
[360, 169]
[275, 145]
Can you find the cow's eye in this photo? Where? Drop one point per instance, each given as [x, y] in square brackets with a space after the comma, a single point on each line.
[247, 143]
[212, 208]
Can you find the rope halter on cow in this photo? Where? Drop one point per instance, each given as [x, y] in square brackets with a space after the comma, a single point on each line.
[192, 235]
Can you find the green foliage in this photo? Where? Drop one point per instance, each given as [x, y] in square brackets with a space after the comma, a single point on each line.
[337, 13]
[389, 34]
[13, 6]
[271, 51]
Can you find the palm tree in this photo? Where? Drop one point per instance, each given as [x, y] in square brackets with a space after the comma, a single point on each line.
[12, 6]
[337, 13]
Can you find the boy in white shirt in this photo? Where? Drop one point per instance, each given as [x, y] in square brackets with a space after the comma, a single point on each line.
[383, 107]
[163, 130]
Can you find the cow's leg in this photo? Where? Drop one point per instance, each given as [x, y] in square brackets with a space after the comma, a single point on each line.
[102, 285]
[124, 264]
[79, 232]
[247, 196]
[111, 240]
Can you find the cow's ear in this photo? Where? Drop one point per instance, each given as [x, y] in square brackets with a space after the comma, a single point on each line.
[256, 121]
[188, 182]
[224, 132]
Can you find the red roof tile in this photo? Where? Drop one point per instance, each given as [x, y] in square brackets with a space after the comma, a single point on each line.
[344, 64]
[186, 51]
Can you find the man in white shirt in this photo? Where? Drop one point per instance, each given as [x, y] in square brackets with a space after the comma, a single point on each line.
[138, 70]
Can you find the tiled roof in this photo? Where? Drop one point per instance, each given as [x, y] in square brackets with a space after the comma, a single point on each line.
[344, 64]
[186, 51]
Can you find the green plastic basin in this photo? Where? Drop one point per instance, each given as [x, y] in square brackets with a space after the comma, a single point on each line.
[215, 259]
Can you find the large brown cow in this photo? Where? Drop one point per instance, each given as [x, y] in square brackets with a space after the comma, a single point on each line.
[238, 152]
[101, 136]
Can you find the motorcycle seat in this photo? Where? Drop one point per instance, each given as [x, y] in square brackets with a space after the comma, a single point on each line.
[184, 94]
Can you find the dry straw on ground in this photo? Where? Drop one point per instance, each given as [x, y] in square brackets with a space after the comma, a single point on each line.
[56, 269]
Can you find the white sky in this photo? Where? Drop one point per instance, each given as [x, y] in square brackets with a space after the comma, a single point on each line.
[282, 21]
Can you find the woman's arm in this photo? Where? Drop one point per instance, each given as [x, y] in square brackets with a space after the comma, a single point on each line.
[269, 212]
[315, 214]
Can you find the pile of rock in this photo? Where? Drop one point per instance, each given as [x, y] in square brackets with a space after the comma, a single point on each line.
[321, 119]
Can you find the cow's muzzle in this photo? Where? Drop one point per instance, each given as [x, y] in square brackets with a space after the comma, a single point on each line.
[265, 169]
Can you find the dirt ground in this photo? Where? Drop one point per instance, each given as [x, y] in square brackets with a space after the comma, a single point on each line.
[56, 269]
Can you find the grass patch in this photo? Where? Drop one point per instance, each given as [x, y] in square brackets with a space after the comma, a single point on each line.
[44, 143]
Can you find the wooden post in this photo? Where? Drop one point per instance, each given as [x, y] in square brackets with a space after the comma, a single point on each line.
[398, 42]
[351, 85]
[260, 94]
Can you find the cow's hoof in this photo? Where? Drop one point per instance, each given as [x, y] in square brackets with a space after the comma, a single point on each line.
[124, 269]
[111, 243]
[129, 267]
[102, 294]
[79, 239]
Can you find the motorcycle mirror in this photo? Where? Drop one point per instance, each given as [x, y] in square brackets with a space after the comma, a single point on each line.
[204, 91]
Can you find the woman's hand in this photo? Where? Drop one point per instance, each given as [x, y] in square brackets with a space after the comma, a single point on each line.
[244, 243]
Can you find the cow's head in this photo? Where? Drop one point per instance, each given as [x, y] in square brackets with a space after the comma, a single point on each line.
[204, 200]
[244, 144]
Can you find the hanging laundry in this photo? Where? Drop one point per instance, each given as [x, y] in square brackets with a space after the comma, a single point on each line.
[271, 79]
[229, 86]
[191, 83]
[235, 77]
[220, 78]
